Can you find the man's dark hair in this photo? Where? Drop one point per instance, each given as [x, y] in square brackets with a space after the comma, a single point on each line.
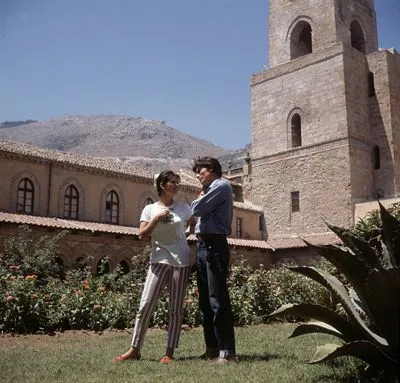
[163, 178]
[210, 163]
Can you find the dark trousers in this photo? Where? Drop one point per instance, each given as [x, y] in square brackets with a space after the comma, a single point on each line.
[214, 302]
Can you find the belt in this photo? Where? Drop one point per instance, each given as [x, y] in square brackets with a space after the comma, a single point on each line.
[209, 236]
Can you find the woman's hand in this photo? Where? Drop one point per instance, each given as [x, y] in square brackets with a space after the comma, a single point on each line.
[146, 228]
[164, 212]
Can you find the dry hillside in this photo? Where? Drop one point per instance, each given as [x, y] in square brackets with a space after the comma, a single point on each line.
[137, 140]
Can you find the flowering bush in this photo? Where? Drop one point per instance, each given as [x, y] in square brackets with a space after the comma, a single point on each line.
[22, 306]
[32, 256]
[256, 292]
[31, 302]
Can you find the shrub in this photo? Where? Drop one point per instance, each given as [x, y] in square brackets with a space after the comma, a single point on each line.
[256, 292]
[374, 277]
[84, 301]
[32, 256]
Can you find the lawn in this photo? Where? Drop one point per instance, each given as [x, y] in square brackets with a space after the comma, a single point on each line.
[264, 352]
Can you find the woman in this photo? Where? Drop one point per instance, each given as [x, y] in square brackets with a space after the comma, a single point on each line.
[165, 221]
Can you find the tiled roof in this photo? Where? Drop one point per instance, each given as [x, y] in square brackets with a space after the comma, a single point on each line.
[247, 205]
[239, 242]
[67, 224]
[278, 243]
[188, 178]
[87, 162]
[253, 243]
[74, 159]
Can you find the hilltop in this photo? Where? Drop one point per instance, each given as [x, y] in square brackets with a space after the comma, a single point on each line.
[137, 140]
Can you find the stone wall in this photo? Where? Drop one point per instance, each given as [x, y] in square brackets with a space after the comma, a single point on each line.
[314, 89]
[253, 258]
[385, 120]
[321, 174]
[393, 60]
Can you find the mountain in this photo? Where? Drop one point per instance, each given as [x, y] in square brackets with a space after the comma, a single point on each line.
[10, 124]
[137, 140]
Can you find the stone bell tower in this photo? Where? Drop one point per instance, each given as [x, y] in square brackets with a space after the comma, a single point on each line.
[298, 27]
[325, 135]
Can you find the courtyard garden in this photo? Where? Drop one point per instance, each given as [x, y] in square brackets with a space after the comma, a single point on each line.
[59, 325]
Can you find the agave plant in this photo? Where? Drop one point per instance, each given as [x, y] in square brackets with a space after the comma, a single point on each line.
[369, 330]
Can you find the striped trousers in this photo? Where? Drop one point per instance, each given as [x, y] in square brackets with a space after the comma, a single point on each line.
[159, 275]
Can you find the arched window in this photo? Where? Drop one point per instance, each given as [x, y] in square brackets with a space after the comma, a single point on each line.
[147, 201]
[71, 202]
[124, 267]
[61, 267]
[81, 263]
[60, 262]
[112, 208]
[376, 157]
[103, 267]
[301, 40]
[25, 194]
[371, 85]
[296, 130]
[357, 36]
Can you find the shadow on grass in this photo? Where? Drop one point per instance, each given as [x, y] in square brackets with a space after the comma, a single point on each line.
[334, 379]
[240, 357]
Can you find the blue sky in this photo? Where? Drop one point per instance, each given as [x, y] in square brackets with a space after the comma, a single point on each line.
[185, 62]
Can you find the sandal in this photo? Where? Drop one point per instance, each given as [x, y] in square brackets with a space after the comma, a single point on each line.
[166, 360]
[121, 358]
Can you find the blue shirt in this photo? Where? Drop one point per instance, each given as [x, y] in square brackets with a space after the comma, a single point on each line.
[215, 209]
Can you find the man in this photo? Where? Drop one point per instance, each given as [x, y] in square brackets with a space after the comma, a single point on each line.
[214, 207]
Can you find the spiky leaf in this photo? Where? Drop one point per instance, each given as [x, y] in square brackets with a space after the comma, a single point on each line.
[391, 234]
[357, 303]
[352, 267]
[359, 247]
[324, 352]
[386, 257]
[364, 350]
[323, 314]
[336, 287]
[384, 298]
[317, 327]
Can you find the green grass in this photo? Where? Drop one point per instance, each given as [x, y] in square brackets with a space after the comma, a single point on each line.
[265, 355]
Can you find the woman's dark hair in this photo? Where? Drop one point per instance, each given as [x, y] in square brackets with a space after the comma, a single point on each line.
[163, 178]
[210, 163]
